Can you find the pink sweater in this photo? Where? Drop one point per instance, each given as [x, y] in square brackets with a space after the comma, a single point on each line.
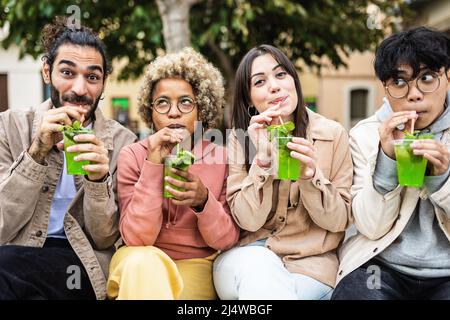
[148, 219]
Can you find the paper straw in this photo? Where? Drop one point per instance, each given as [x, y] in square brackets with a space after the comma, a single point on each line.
[412, 125]
[279, 117]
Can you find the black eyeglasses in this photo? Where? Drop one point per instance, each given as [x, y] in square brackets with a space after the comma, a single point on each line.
[163, 105]
[427, 82]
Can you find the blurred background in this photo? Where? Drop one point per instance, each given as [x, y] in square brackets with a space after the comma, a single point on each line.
[332, 43]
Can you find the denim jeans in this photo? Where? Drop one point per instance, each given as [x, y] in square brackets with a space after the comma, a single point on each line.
[388, 284]
[51, 272]
[255, 272]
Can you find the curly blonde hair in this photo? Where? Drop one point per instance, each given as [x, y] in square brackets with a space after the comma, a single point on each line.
[206, 81]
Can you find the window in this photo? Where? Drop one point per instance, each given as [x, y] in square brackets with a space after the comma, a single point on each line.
[358, 105]
[3, 92]
[120, 109]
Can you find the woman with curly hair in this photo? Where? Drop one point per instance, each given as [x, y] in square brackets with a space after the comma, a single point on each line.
[171, 243]
[292, 226]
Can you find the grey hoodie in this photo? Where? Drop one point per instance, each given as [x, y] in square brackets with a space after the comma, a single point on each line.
[422, 249]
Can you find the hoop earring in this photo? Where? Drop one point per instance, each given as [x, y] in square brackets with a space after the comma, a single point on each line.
[252, 111]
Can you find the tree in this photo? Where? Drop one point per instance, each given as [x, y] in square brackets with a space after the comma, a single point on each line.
[175, 17]
[223, 30]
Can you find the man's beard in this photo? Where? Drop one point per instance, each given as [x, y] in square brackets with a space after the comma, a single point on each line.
[75, 99]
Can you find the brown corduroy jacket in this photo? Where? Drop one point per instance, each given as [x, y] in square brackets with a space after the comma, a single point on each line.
[27, 189]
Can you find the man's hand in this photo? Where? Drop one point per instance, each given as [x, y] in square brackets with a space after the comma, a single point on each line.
[195, 194]
[388, 130]
[161, 143]
[93, 150]
[438, 155]
[50, 130]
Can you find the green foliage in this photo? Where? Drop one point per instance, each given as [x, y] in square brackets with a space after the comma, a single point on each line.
[303, 29]
[417, 134]
[280, 130]
[76, 125]
[75, 129]
[223, 30]
[183, 159]
[131, 29]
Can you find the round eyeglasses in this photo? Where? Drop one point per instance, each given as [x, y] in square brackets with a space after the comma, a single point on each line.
[163, 105]
[427, 82]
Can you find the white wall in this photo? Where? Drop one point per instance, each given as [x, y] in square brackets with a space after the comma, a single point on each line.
[24, 79]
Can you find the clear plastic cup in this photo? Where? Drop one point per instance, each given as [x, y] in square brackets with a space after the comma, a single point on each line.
[74, 167]
[168, 164]
[410, 167]
[288, 168]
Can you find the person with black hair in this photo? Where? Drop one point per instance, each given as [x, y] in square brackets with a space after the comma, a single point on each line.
[402, 248]
[57, 231]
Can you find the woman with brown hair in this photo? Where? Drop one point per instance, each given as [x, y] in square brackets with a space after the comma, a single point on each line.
[292, 228]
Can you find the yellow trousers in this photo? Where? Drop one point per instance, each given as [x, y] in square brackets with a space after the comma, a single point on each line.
[148, 273]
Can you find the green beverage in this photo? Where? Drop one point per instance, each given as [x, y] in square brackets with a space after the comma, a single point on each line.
[69, 132]
[288, 167]
[181, 161]
[410, 167]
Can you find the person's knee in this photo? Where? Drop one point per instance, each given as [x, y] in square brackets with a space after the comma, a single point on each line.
[248, 258]
[9, 256]
[247, 263]
[10, 259]
[143, 258]
[353, 286]
[5, 260]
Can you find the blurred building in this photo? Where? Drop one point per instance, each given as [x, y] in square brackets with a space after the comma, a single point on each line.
[21, 83]
[120, 101]
[20, 80]
[348, 95]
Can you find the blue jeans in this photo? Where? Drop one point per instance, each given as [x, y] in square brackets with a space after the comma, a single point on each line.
[255, 272]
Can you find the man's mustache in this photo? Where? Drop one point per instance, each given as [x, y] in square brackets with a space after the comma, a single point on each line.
[75, 99]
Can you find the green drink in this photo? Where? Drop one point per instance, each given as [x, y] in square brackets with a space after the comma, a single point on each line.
[69, 132]
[288, 168]
[181, 161]
[410, 167]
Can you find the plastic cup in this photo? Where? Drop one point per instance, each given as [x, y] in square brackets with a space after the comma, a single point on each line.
[410, 167]
[288, 167]
[168, 164]
[74, 167]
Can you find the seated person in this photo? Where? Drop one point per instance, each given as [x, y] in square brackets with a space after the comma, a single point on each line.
[171, 243]
[55, 226]
[402, 249]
